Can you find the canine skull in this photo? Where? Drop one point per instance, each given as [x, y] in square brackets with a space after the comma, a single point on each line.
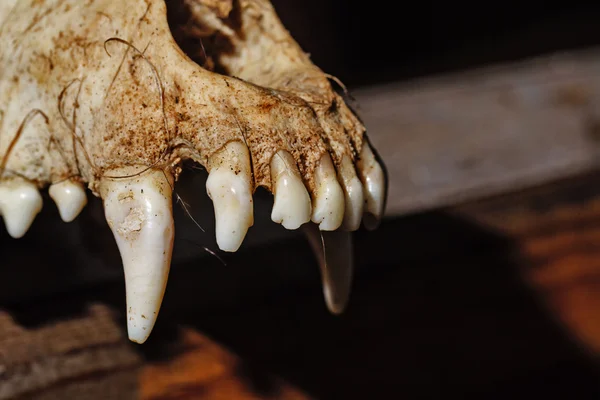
[99, 93]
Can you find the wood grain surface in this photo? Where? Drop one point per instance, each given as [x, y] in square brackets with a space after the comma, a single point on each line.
[458, 137]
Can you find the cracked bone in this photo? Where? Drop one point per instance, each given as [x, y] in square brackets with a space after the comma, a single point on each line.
[138, 210]
[20, 202]
[70, 198]
[90, 88]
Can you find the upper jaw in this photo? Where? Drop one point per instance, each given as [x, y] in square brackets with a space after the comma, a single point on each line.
[122, 106]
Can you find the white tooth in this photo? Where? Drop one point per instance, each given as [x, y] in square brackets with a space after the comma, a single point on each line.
[69, 197]
[373, 180]
[20, 202]
[328, 201]
[139, 211]
[229, 185]
[354, 195]
[334, 253]
[292, 206]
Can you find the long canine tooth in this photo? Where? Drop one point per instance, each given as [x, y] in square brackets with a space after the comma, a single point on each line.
[69, 197]
[334, 253]
[354, 195]
[229, 185]
[139, 211]
[373, 179]
[328, 201]
[292, 207]
[20, 202]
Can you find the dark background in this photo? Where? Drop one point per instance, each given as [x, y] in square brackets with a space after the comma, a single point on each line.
[366, 42]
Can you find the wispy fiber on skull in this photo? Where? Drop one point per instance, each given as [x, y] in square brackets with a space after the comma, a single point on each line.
[17, 136]
[159, 85]
[72, 125]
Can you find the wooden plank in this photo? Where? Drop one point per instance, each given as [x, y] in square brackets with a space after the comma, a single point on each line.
[66, 358]
[557, 230]
[206, 370]
[456, 138]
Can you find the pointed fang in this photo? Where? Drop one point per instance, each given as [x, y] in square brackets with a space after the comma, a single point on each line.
[139, 211]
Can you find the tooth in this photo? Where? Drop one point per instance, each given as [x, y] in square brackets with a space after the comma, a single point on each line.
[353, 191]
[139, 211]
[328, 201]
[229, 185]
[20, 202]
[374, 184]
[334, 252]
[69, 197]
[292, 206]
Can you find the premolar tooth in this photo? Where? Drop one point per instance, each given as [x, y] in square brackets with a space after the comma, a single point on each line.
[20, 202]
[292, 207]
[374, 184]
[69, 197]
[229, 185]
[334, 253]
[139, 211]
[354, 196]
[328, 201]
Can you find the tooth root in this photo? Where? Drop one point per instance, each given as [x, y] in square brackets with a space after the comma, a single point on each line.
[139, 211]
[334, 251]
[353, 194]
[292, 206]
[20, 203]
[70, 198]
[229, 185]
[328, 199]
[373, 179]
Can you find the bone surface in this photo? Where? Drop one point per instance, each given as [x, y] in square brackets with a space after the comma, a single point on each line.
[139, 212]
[292, 207]
[69, 197]
[328, 201]
[229, 185]
[20, 202]
[374, 184]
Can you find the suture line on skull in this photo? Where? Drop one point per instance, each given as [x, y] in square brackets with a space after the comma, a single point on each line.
[14, 140]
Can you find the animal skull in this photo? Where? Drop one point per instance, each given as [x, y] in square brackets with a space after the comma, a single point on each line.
[99, 93]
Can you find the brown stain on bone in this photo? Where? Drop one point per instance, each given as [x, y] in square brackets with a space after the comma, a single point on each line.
[128, 127]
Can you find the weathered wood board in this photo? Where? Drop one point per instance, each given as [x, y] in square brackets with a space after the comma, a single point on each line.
[457, 138]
